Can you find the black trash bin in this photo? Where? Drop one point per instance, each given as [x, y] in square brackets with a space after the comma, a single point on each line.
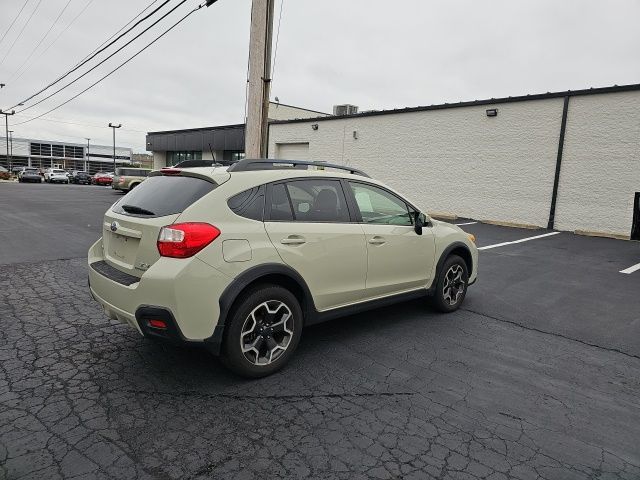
[635, 227]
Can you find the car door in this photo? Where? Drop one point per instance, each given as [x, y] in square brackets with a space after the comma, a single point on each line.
[399, 260]
[309, 223]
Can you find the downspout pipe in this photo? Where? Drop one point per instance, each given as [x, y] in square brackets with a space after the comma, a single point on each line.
[556, 179]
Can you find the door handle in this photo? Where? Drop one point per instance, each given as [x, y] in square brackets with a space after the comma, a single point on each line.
[293, 240]
[377, 240]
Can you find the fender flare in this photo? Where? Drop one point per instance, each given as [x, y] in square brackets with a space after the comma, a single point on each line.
[443, 256]
[235, 288]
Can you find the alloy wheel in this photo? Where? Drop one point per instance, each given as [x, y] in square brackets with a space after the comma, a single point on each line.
[454, 285]
[266, 332]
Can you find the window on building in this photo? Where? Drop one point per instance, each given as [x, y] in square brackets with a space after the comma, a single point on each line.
[57, 151]
[45, 149]
[232, 155]
[173, 158]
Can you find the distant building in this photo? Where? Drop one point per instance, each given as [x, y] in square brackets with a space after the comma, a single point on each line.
[145, 160]
[26, 152]
[222, 143]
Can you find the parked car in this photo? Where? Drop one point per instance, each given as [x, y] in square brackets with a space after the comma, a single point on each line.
[16, 170]
[55, 175]
[238, 260]
[30, 175]
[58, 176]
[79, 177]
[126, 178]
[102, 178]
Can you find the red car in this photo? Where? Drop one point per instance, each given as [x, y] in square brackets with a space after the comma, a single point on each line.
[102, 178]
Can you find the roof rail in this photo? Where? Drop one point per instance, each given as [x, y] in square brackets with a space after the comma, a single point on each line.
[247, 165]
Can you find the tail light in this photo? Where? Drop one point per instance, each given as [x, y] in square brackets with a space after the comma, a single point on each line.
[184, 240]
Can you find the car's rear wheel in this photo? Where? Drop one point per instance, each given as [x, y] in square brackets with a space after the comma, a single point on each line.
[451, 286]
[262, 332]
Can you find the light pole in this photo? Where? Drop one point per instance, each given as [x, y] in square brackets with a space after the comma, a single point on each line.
[11, 142]
[86, 162]
[114, 126]
[6, 127]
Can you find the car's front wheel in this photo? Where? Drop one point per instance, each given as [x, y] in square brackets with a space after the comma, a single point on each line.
[451, 286]
[262, 332]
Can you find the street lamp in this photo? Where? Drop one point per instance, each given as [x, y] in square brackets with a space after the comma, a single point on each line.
[86, 162]
[6, 126]
[114, 126]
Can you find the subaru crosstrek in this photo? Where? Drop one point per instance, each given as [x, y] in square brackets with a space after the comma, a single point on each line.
[240, 259]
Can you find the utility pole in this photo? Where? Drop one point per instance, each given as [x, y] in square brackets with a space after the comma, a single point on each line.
[259, 78]
[114, 126]
[11, 142]
[86, 162]
[6, 127]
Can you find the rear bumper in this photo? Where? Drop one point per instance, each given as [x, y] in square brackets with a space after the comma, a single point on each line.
[186, 290]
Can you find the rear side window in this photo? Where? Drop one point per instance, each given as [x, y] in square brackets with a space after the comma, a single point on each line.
[280, 204]
[316, 200]
[160, 196]
[248, 204]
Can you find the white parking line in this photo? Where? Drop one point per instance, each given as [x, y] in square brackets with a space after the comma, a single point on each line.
[468, 223]
[631, 269]
[518, 241]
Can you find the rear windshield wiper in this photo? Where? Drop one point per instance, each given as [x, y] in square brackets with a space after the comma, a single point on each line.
[138, 210]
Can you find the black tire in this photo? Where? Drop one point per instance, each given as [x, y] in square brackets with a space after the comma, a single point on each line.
[133, 185]
[232, 354]
[442, 300]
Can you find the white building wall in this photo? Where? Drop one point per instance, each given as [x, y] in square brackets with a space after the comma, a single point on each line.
[601, 163]
[278, 111]
[159, 160]
[449, 161]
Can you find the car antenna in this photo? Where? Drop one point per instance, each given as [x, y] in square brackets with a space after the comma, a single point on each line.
[213, 157]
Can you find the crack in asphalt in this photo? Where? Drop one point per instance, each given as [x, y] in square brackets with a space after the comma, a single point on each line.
[554, 334]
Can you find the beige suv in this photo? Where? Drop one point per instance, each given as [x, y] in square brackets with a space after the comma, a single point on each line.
[239, 259]
[126, 179]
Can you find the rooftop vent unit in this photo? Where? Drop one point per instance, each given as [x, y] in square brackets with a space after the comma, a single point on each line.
[345, 109]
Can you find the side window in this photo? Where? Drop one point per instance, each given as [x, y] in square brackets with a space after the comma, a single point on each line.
[248, 204]
[318, 200]
[379, 206]
[280, 204]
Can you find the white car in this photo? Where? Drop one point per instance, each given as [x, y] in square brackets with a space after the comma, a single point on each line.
[56, 175]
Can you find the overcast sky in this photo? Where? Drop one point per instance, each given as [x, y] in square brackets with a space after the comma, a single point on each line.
[372, 53]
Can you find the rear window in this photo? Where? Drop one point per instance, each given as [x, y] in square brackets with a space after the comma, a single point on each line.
[161, 196]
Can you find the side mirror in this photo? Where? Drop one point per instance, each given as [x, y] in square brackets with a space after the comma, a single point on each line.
[418, 222]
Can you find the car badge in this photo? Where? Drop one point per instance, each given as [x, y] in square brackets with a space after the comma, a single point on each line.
[114, 226]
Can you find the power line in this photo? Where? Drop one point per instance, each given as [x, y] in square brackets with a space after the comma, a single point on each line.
[123, 27]
[41, 40]
[20, 33]
[80, 124]
[93, 55]
[105, 59]
[59, 35]
[208, 2]
[275, 53]
[14, 21]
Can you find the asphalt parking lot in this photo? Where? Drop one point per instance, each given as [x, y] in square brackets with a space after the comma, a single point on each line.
[537, 376]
